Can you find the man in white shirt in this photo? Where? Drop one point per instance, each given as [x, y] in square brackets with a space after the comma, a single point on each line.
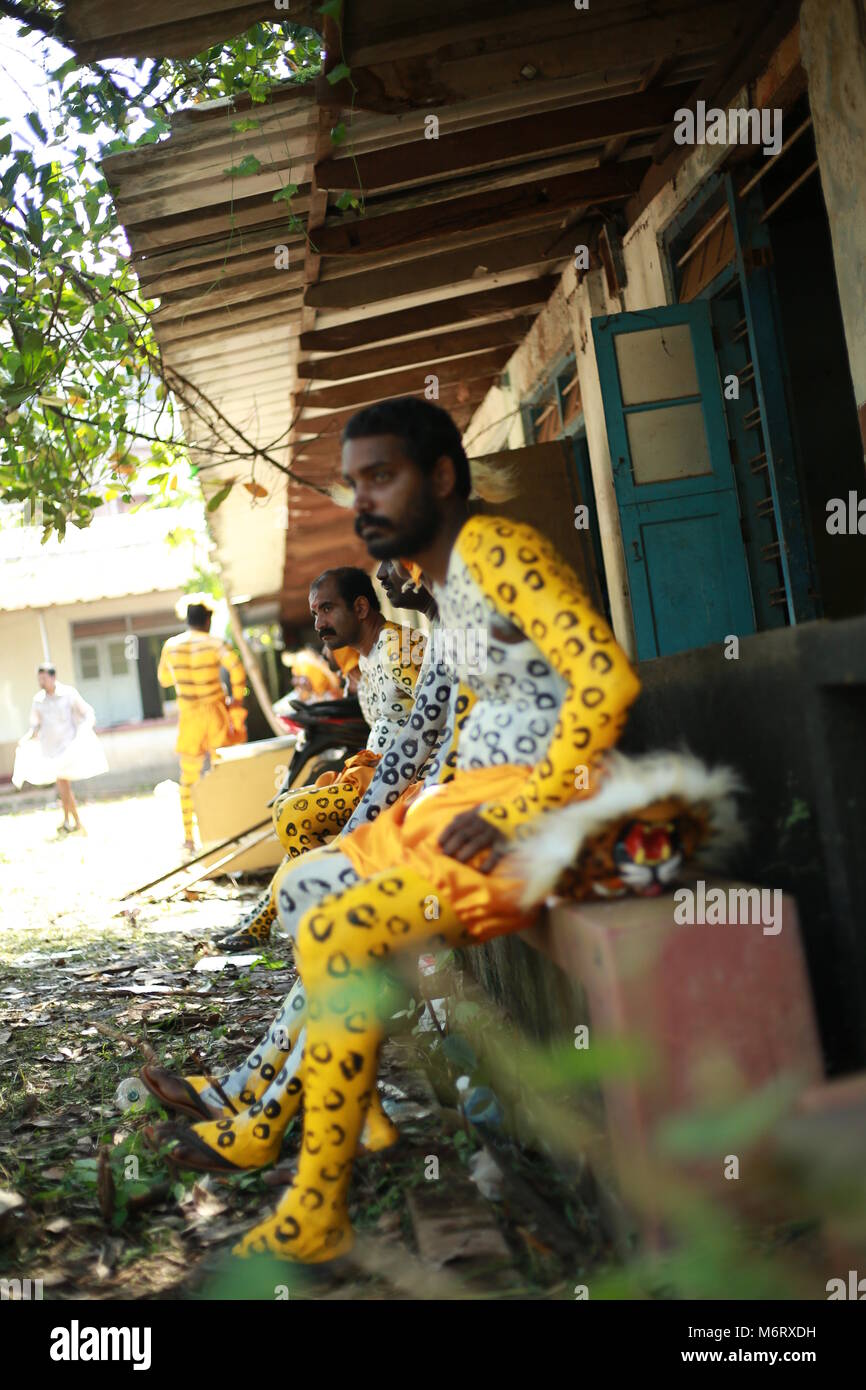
[60, 745]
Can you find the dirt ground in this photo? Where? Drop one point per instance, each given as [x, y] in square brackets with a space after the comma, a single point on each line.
[86, 980]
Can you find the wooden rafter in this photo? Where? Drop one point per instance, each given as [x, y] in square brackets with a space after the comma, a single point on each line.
[376, 388]
[432, 347]
[448, 268]
[454, 395]
[503, 142]
[522, 201]
[458, 309]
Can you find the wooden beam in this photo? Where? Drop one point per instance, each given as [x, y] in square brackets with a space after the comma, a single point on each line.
[223, 292]
[503, 142]
[524, 201]
[97, 29]
[210, 191]
[216, 320]
[158, 279]
[449, 268]
[438, 60]
[431, 348]
[228, 218]
[754, 39]
[377, 388]
[332, 423]
[458, 309]
[730, 73]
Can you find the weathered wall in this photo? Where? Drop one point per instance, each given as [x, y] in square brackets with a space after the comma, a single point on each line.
[833, 48]
[562, 327]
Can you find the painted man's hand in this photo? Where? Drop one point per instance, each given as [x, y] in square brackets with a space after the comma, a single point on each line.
[469, 834]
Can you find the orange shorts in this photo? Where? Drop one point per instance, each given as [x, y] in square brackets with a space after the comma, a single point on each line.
[406, 835]
[203, 727]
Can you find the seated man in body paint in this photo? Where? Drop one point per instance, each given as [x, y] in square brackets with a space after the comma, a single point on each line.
[347, 616]
[556, 678]
[552, 694]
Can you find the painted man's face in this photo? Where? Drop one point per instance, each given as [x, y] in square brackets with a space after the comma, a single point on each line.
[336, 623]
[396, 508]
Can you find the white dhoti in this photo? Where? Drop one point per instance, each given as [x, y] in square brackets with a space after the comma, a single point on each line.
[82, 758]
[62, 742]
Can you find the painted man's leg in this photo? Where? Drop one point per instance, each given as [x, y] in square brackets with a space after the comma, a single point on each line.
[339, 942]
[254, 929]
[251, 1139]
[191, 765]
[307, 818]
[201, 1097]
[302, 885]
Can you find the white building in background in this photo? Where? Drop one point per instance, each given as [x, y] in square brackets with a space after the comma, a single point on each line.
[98, 605]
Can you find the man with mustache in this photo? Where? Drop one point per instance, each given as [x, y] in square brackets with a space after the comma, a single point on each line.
[552, 695]
[346, 614]
[393, 660]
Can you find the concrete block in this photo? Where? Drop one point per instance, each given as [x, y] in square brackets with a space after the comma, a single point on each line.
[719, 1009]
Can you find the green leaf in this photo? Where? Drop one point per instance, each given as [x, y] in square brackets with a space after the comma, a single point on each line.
[347, 200]
[285, 194]
[721, 1130]
[61, 73]
[248, 165]
[219, 497]
[36, 126]
[332, 8]
[338, 73]
[246, 123]
[338, 133]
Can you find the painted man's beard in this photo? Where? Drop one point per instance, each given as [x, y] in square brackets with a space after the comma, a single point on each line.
[415, 531]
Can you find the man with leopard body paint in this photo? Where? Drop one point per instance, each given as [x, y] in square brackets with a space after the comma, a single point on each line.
[554, 694]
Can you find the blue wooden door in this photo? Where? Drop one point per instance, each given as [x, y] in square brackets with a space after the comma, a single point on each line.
[675, 486]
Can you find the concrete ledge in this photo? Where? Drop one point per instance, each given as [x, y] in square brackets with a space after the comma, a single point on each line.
[716, 1010]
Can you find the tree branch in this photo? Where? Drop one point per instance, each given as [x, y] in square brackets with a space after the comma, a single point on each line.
[34, 19]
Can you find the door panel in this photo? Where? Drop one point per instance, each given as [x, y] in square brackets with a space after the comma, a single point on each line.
[674, 482]
[108, 680]
[691, 601]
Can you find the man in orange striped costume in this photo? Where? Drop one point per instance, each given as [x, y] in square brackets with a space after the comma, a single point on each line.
[191, 662]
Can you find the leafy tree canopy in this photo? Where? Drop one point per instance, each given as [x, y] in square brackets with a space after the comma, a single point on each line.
[84, 406]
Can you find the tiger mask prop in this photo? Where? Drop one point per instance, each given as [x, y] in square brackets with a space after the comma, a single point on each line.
[651, 815]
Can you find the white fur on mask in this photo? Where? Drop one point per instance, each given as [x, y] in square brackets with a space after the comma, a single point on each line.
[631, 783]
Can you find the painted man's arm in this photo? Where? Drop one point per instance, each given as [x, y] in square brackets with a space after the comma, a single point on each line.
[532, 587]
[413, 746]
[235, 667]
[164, 672]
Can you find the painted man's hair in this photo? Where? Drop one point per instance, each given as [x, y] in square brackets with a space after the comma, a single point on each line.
[426, 432]
[351, 583]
